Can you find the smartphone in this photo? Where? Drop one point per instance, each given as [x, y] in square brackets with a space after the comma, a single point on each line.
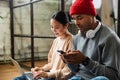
[60, 51]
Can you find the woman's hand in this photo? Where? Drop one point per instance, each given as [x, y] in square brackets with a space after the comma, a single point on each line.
[38, 72]
[36, 69]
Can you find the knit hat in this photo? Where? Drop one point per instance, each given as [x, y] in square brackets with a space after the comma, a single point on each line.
[83, 7]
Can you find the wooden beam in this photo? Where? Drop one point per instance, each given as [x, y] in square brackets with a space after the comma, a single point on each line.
[62, 5]
[28, 3]
[118, 20]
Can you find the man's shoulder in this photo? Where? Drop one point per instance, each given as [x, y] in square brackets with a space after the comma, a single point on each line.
[108, 34]
[107, 31]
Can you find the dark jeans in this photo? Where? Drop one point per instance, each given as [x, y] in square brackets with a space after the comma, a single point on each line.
[95, 78]
[23, 77]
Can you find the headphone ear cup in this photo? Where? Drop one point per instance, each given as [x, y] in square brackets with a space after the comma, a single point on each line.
[90, 33]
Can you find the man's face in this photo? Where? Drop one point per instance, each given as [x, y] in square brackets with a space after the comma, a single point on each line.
[83, 22]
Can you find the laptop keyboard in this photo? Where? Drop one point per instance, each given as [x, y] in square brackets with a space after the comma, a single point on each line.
[29, 76]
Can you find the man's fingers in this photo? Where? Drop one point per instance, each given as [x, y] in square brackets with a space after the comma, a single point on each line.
[64, 60]
[68, 56]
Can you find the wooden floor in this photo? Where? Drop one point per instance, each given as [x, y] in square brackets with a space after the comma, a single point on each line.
[8, 71]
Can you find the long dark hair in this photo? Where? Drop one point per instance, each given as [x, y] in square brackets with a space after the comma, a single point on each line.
[61, 17]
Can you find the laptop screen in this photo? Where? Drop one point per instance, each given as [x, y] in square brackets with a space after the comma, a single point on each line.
[16, 64]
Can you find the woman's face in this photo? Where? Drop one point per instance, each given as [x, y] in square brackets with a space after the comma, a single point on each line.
[57, 28]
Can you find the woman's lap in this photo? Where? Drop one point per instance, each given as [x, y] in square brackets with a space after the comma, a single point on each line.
[23, 77]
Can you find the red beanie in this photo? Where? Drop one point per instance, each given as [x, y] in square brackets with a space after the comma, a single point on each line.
[83, 7]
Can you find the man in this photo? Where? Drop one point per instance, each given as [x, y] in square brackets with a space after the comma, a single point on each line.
[96, 47]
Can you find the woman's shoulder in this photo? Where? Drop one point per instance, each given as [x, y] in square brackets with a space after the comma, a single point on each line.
[69, 36]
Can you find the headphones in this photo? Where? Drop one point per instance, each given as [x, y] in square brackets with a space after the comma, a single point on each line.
[91, 33]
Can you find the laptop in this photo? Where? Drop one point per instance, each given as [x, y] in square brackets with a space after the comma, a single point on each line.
[28, 75]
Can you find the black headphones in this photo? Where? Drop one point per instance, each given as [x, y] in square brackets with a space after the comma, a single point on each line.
[91, 33]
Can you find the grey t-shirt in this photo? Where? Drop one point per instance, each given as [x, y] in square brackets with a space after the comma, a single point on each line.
[103, 51]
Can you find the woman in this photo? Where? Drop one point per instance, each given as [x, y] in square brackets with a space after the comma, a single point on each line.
[56, 69]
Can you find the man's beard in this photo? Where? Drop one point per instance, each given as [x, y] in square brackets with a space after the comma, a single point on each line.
[83, 34]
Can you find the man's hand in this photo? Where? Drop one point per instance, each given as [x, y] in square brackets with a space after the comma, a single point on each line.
[73, 57]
